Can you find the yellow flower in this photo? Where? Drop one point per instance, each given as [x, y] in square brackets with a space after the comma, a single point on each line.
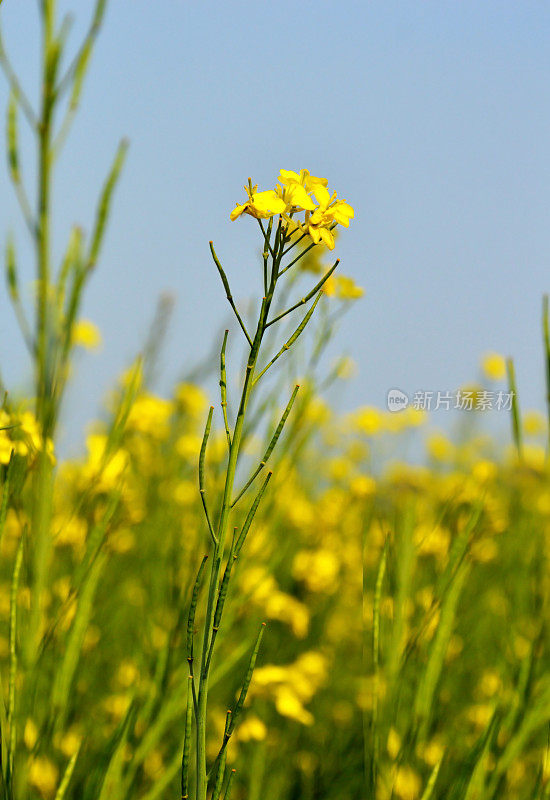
[191, 398]
[260, 205]
[407, 783]
[342, 287]
[288, 704]
[368, 420]
[394, 744]
[252, 729]
[494, 366]
[30, 734]
[151, 415]
[329, 211]
[43, 775]
[318, 569]
[287, 177]
[534, 423]
[298, 186]
[86, 334]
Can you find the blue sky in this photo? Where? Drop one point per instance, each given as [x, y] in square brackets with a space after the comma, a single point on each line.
[431, 118]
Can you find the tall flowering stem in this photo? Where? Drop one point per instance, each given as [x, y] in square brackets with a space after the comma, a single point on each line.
[281, 207]
[49, 327]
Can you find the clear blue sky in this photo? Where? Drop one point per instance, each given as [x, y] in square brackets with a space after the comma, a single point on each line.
[431, 118]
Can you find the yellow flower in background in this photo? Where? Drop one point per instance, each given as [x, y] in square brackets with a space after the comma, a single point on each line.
[407, 784]
[440, 448]
[317, 569]
[191, 399]
[103, 464]
[494, 366]
[534, 423]
[342, 287]
[369, 420]
[288, 704]
[30, 734]
[43, 775]
[6, 447]
[86, 335]
[394, 744]
[150, 414]
[252, 729]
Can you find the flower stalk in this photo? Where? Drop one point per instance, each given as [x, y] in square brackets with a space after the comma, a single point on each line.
[294, 195]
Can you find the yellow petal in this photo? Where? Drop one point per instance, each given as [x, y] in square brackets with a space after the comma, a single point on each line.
[288, 176]
[312, 181]
[322, 195]
[237, 212]
[268, 202]
[327, 237]
[299, 197]
[315, 235]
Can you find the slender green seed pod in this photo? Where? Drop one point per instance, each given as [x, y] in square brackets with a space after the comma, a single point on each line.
[219, 777]
[67, 775]
[104, 206]
[430, 786]
[271, 446]
[516, 421]
[11, 270]
[129, 394]
[96, 540]
[475, 764]
[246, 683]
[267, 250]
[113, 776]
[229, 786]
[458, 550]
[223, 388]
[250, 516]
[73, 648]
[202, 456]
[228, 294]
[288, 344]
[5, 497]
[13, 138]
[186, 755]
[193, 608]
[72, 260]
[13, 654]
[222, 594]
[80, 70]
[156, 730]
[376, 661]
[534, 719]
[318, 286]
[424, 699]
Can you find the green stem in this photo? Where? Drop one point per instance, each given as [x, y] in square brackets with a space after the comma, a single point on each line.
[221, 531]
[219, 548]
[44, 402]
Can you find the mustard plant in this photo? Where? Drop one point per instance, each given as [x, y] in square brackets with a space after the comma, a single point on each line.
[296, 216]
[49, 328]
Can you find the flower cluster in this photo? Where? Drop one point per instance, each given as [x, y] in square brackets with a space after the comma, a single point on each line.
[296, 193]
